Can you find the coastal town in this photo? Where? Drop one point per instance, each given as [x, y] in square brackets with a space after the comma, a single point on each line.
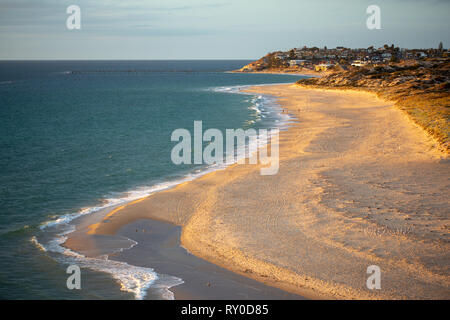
[341, 58]
[416, 80]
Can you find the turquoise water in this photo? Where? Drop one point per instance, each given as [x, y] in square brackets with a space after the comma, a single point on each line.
[76, 136]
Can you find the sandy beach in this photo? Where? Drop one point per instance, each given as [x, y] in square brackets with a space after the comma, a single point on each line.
[359, 184]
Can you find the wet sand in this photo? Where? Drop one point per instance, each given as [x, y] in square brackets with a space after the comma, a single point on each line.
[359, 184]
[158, 247]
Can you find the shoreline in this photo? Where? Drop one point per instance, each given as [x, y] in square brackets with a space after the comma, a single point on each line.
[158, 245]
[155, 244]
[229, 240]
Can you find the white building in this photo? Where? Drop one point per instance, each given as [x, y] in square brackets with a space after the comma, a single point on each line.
[421, 54]
[281, 56]
[293, 63]
[358, 63]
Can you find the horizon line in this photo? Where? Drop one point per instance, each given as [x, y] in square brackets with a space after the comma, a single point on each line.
[107, 59]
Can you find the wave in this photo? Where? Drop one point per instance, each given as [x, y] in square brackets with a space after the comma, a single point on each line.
[264, 105]
[135, 279]
[34, 241]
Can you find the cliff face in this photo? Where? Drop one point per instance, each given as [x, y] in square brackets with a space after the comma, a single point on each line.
[422, 89]
[257, 65]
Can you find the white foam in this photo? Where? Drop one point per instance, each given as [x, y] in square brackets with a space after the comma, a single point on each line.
[37, 244]
[136, 279]
[263, 104]
[123, 198]
[133, 279]
[259, 103]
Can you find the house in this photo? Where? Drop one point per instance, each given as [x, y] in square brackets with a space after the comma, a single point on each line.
[247, 68]
[375, 59]
[421, 55]
[323, 67]
[294, 63]
[281, 56]
[358, 63]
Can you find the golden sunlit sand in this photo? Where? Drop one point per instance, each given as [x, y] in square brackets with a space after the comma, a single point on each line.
[359, 184]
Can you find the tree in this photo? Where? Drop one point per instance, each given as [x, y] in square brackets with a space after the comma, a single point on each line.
[292, 55]
[441, 46]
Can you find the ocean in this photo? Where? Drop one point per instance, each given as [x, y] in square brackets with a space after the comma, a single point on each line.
[79, 136]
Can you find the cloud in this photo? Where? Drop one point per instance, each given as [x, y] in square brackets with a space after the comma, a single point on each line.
[105, 17]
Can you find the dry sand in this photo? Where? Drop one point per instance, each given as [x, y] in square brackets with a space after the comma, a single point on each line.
[359, 184]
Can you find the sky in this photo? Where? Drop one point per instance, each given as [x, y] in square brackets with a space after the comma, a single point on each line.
[212, 29]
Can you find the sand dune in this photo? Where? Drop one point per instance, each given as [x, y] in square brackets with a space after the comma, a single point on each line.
[359, 184]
